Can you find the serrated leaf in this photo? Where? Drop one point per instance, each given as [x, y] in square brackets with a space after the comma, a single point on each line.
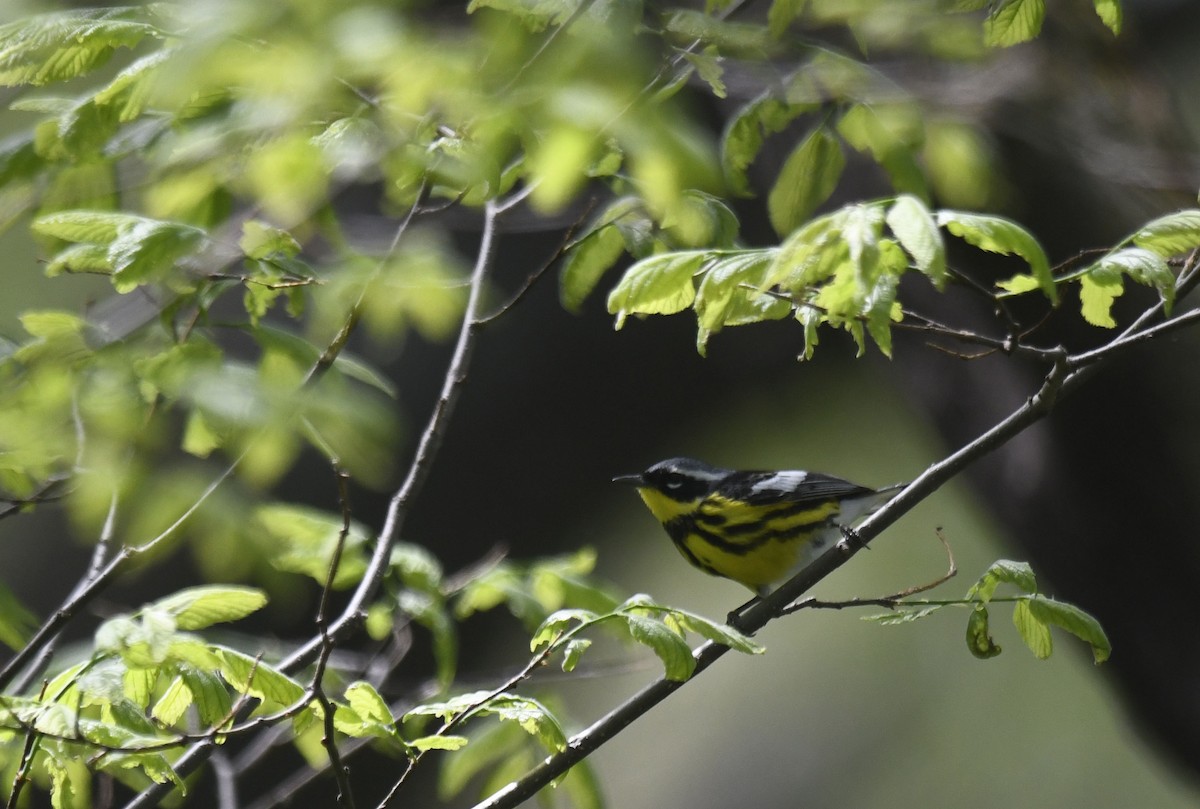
[811, 254]
[424, 743]
[557, 623]
[672, 650]
[688, 25]
[1013, 21]
[1096, 299]
[1034, 632]
[807, 178]
[95, 227]
[892, 147]
[781, 15]
[905, 616]
[303, 540]
[1006, 571]
[744, 134]
[573, 651]
[1110, 14]
[367, 703]
[586, 264]
[708, 67]
[536, 14]
[999, 235]
[209, 694]
[1172, 234]
[979, 639]
[915, 228]
[260, 240]
[257, 678]
[1073, 620]
[659, 285]
[724, 278]
[717, 632]
[55, 47]
[1019, 284]
[198, 607]
[173, 702]
[533, 717]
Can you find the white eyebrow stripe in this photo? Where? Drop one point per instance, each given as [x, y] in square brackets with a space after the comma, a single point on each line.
[779, 482]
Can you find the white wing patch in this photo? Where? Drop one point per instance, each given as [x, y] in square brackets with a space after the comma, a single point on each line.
[779, 482]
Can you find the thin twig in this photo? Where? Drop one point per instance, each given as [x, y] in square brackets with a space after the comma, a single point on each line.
[760, 613]
[537, 274]
[536, 661]
[341, 774]
[890, 601]
[431, 438]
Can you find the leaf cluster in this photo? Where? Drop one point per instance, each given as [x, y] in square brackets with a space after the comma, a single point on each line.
[1033, 614]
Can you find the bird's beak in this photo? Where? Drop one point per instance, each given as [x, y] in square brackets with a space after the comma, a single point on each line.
[634, 480]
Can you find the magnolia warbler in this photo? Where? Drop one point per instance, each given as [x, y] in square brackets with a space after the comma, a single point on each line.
[755, 527]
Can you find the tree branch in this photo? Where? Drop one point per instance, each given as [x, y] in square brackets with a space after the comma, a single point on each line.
[766, 609]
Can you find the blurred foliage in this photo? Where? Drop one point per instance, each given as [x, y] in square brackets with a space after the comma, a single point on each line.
[203, 156]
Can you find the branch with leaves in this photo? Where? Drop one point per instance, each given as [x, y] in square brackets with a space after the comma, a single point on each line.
[213, 171]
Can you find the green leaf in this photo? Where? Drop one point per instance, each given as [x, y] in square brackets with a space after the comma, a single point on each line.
[708, 67]
[257, 678]
[811, 254]
[1096, 296]
[586, 263]
[535, 14]
[1005, 571]
[16, 622]
[1143, 266]
[743, 136]
[198, 607]
[1013, 21]
[55, 47]
[685, 26]
[367, 703]
[807, 178]
[781, 15]
[918, 233]
[489, 744]
[533, 717]
[1110, 14]
[173, 702]
[438, 743]
[724, 279]
[1172, 234]
[209, 694]
[672, 650]
[260, 240]
[904, 616]
[979, 639]
[1034, 632]
[999, 235]
[573, 651]
[1073, 620]
[557, 623]
[1019, 284]
[716, 632]
[891, 135]
[95, 227]
[302, 540]
[659, 285]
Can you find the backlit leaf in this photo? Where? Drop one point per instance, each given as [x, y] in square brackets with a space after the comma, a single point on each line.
[807, 178]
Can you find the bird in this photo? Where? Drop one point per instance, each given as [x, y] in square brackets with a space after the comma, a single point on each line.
[756, 527]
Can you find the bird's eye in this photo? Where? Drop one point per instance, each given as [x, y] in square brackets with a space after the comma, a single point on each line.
[675, 482]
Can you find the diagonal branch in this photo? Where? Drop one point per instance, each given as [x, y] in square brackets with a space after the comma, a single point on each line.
[763, 611]
[430, 442]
